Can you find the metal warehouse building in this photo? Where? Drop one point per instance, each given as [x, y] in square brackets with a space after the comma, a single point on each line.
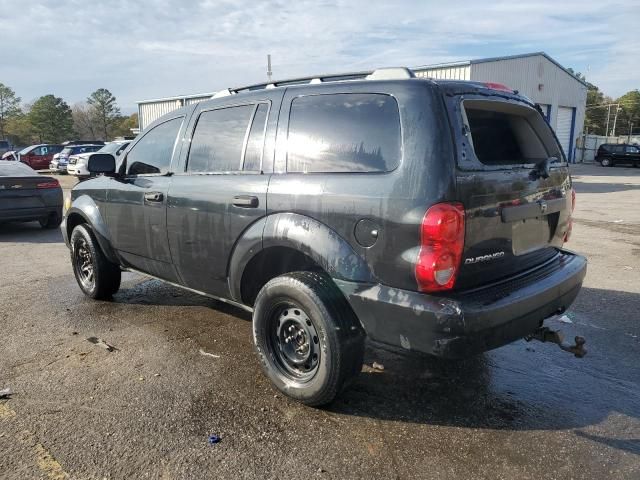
[560, 94]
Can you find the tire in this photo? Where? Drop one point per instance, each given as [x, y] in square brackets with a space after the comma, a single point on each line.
[52, 221]
[308, 339]
[97, 277]
[606, 162]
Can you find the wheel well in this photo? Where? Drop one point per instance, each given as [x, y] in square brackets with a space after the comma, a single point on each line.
[73, 221]
[270, 263]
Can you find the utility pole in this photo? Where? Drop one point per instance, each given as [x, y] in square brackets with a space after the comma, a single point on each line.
[269, 72]
[615, 119]
[630, 132]
[607, 129]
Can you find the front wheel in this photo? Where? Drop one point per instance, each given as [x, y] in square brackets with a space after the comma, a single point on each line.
[97, 277]
[308, 339]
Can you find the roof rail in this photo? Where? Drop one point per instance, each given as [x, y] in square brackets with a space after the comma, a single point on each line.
[223, 93]
[395, 73]
[391, 73]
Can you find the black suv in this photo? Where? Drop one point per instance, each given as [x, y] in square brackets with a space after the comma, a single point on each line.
[610, 154]
[426, 215]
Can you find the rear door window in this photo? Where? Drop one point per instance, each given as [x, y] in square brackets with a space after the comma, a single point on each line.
[344, 133]
[218, 140]
[503, 133]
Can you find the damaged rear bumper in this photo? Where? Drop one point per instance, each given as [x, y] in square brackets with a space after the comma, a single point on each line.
[465, 323]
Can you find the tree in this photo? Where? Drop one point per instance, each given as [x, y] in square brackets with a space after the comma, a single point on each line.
[20, 131]
[9, 107]
[84, 122]
[595, 120]
[125, 124]
[51, 119]
[105, 110]
[629, 114]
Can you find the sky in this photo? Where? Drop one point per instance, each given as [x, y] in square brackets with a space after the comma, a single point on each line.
[148, 49]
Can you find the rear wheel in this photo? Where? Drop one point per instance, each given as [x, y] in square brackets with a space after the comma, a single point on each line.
[606, 162]
[308, 339]
[52, 221]
[97, 277]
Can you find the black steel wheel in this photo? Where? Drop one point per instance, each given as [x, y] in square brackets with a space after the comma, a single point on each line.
[97, 277]
[294, 341]
[308, 339]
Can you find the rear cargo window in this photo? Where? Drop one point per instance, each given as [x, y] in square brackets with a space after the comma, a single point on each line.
[503, 133]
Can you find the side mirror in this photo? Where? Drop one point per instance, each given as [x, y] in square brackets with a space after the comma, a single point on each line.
[101, 163]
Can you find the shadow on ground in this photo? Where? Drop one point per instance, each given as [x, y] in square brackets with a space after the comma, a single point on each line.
[584, 187]
[522, 386]
[28, 232]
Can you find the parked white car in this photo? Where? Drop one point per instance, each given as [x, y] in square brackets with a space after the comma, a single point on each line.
[78, 163]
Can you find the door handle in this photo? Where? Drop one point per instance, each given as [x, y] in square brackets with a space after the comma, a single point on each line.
[245, 201]
[153, 197]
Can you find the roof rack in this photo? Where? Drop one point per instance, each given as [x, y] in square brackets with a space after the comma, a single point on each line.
[394, 73]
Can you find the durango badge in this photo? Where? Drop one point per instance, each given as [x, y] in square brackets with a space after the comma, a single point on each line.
[484, 258]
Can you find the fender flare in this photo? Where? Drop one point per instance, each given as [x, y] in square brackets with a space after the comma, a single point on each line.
[89, 211]
[304, 234]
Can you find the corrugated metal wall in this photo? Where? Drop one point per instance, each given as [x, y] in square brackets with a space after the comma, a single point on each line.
[150, 111]
[454, 72]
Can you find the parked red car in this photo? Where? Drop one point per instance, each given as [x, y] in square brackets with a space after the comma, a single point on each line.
[38, 157]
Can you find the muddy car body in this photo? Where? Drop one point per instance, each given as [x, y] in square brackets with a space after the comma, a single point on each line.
[426, 215]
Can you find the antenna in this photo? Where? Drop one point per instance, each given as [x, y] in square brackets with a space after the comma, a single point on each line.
[269, 72]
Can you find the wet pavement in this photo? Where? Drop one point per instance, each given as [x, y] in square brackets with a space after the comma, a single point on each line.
[146, 409]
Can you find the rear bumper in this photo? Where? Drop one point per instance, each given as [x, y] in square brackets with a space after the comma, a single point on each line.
[59, 167]
[28, 214]
[470, 322]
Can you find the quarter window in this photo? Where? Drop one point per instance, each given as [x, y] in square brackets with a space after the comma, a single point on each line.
[344, 133]
[218, 139]
[255, 143]
[152, 154]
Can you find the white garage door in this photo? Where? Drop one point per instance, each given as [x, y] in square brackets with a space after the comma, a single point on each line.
[563, 128]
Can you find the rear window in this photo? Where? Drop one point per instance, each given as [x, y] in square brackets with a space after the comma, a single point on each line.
[503, 134]
[344, 133]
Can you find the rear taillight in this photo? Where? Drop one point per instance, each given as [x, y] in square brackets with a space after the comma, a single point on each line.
[50, 184]
[567, 234]
[441, 245]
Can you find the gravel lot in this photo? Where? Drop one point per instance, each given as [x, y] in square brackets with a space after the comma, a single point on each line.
[146, 410]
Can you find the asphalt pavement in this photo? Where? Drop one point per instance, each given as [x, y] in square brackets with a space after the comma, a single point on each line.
[182, 368]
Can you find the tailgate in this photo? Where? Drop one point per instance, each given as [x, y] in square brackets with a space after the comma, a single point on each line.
[514, 184]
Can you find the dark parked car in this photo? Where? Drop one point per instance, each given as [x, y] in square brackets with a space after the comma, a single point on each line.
[26, 196]
[427, 215]
[38, 157]
[610, 154]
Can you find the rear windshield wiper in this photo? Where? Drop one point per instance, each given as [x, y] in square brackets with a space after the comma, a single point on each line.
[541, 170]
